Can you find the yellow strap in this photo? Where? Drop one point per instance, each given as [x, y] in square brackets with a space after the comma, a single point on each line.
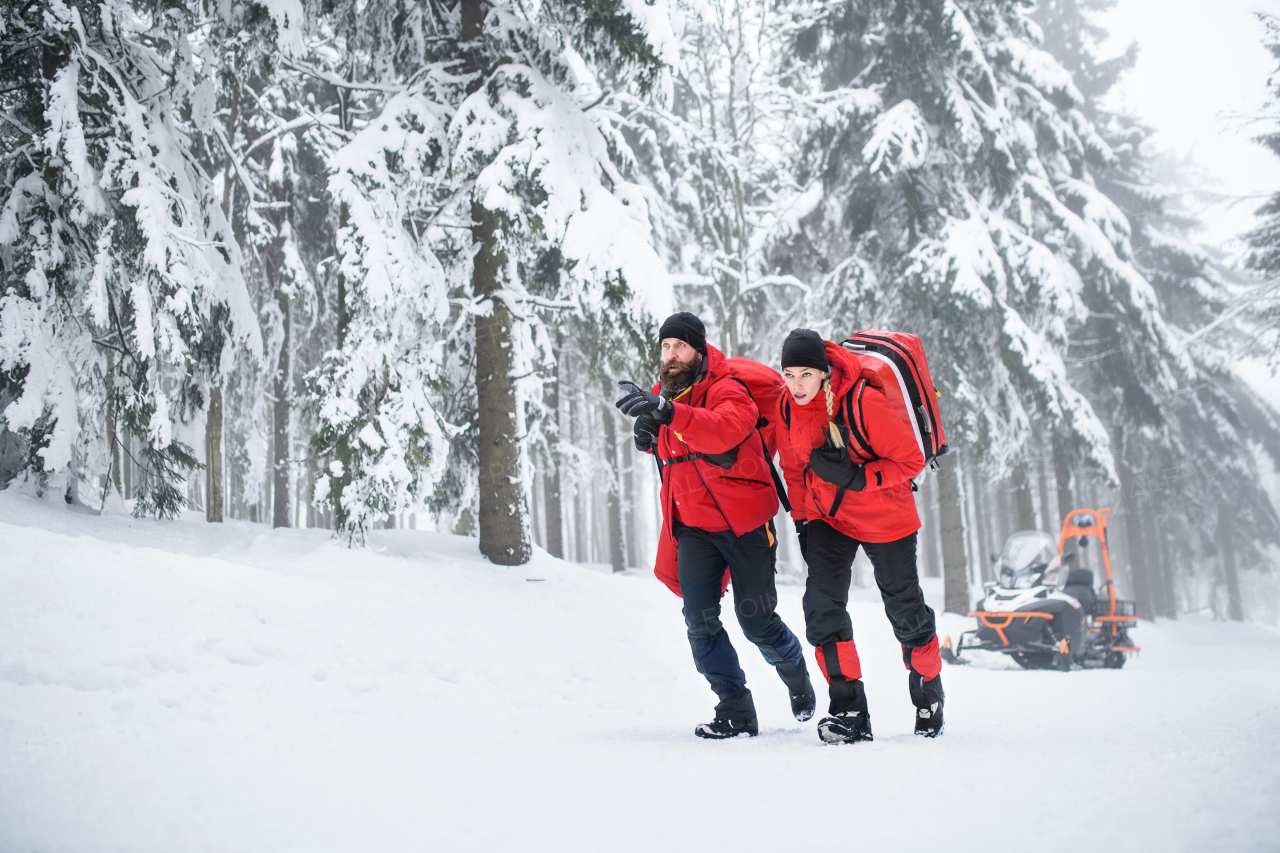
[677, 397]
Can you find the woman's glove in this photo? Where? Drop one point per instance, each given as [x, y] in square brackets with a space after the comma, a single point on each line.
[832, 464]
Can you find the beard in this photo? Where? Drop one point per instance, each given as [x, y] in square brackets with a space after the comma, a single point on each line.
[677, 376]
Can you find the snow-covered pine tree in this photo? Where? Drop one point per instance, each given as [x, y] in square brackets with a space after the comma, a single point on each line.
[121, 291]
[266, 131]
[716, 159]
[940, 168]
[1180, 455]
[381, 438]
[1264, 240]
[939, 162]
[541, 188]
[483, 162]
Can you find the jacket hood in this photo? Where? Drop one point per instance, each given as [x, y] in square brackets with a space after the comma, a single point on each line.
[845, 368]
[716, 363]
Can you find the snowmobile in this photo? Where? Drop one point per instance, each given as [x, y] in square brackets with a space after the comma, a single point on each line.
[1045, 614]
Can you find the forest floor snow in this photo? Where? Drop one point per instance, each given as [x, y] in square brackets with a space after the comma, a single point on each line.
[185, 686]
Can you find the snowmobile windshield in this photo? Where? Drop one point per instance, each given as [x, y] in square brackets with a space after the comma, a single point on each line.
[1030, 557]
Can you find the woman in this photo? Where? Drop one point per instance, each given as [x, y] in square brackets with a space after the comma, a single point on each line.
[848, 456]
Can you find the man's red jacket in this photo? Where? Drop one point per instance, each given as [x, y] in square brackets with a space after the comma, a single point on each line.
[730, 487]
[885, 510]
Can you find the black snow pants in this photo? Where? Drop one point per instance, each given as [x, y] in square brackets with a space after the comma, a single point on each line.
[826, 598]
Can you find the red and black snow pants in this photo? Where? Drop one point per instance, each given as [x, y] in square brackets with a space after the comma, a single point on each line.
[828, 627]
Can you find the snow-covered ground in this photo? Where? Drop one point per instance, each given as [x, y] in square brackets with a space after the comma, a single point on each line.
[183, 686]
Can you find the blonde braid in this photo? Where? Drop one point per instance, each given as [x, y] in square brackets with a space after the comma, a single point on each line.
[836, 439]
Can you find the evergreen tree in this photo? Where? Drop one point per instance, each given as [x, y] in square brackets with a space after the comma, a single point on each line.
[121, 287]
[1263, 305]
[266, 132]
[1264, 241]
[715, 158]
[1186, 425]
[508, 151]
[940, 156]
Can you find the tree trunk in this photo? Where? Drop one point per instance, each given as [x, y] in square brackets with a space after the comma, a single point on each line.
[113, 433]
[126, 446]
[213, 454]
[1062, 474]
[629, 531]
[1133, 531]
[1235, 602]
[551, 478]
[955, 578]
[280, 413]
[617, 543]
[1024, 508]
[473, 14]
[1045, 519]
[342, 449]
[504, 515]
[1003, 514]
[929, 494]
[213, 432]
[1170, 589]
[311, 490]
[1155, 561]
[982, 521]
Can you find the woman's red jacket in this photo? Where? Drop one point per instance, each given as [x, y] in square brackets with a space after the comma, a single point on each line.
[885, 510]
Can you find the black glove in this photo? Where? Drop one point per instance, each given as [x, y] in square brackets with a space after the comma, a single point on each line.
[642, 402]
[802, 533]
[833, 464]
[645, 432]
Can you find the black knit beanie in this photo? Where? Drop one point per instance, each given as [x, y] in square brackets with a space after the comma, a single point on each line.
[688, 328]
[805, 348]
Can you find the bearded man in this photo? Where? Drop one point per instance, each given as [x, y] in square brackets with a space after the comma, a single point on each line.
[718, 504]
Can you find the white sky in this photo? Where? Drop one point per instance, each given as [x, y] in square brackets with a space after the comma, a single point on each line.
[1202, 69]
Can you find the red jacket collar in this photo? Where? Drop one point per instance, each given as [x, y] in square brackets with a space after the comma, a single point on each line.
[845, 369]
[716, 366]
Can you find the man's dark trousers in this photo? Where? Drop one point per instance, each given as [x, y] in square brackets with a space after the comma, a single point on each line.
[703, 556]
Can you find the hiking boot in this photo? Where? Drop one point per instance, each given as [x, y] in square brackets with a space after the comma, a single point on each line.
[928, 698]
[849, 727]
[800, 688]
[734, 716]
[849, 720]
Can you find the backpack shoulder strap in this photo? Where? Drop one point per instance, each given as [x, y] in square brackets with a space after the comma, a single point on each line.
[856, 423]
[764, 448]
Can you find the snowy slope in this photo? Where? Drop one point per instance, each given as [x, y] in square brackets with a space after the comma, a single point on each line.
[183, 686]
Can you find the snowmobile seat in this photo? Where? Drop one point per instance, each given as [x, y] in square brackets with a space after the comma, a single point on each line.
[1079, 586]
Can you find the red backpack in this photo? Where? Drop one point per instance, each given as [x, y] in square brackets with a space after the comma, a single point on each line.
[898, 362]
[765, 386]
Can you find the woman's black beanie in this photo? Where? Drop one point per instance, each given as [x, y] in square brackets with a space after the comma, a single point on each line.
[688, 328]
[805, 348]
